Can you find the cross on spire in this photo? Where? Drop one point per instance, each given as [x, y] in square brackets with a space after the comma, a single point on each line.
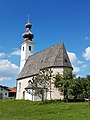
[28, 18]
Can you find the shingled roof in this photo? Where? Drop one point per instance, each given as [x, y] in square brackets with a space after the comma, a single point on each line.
[55, 56]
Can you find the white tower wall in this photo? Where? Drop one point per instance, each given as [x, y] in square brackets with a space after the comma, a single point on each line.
[27, 49]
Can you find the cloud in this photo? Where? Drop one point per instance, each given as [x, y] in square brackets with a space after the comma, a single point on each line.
[78, 66]
[86, 53]
[2, 54]
[77, 76]
[8, 70]
[16, 52]
[76, 69]
[72, 57]
[84, 66]
[75, 62]
[4, 78]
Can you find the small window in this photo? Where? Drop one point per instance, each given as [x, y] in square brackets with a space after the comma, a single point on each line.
[65, 60]
[19, 86]
[23, 48]
[29, 82]
[5, 93]
[29, 48]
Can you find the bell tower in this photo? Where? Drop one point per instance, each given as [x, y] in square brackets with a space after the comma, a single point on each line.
[27, 47]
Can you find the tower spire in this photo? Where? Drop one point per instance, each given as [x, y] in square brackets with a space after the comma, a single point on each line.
[27, 47]
[28, 34]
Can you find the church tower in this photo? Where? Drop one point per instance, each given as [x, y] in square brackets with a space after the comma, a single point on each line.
[27, 47]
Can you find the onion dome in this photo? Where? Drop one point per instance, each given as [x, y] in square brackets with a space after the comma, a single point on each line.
[28, 34]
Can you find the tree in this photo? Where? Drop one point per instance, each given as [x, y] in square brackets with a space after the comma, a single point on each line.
[88, 86]
[76, 88]
[41, 83]
[73, 87]
[88, 77]
[62, 82]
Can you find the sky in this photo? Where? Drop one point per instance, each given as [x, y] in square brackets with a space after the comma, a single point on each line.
[53, 21]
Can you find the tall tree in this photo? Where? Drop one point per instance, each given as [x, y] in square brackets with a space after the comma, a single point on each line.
[62, 82]
[41, 83]
[73, 87]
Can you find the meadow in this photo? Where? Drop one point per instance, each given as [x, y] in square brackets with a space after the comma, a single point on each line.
[56, 110]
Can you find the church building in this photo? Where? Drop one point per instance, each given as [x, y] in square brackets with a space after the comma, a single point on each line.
[54, 57]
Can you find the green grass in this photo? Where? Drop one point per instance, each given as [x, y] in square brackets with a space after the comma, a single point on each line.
[27, 110]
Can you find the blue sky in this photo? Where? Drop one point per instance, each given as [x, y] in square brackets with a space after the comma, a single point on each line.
[53, 21]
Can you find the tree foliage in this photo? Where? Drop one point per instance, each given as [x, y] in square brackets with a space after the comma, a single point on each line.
[41, 83]
[72, 87]
[62, 82]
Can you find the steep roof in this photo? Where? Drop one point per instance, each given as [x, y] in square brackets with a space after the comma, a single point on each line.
[55, 56]
[12, 89]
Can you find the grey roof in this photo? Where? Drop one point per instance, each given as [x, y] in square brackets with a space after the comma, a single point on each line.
[55, 56]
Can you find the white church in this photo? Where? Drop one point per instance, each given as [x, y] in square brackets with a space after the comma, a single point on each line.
[55, 58]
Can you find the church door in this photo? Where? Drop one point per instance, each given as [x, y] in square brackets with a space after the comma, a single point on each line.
[24, 95]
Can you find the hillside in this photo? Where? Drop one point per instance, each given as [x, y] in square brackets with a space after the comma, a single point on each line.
[27, 110]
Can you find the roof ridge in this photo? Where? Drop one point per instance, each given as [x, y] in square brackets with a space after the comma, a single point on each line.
[58, 53]
[46, 49]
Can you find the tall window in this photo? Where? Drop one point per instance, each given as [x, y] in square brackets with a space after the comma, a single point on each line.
[19, 86]
[29, 48]
[23, 48]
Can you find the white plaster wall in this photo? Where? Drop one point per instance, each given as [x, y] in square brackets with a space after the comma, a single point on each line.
[57, 69]
[60, 70]
[4, 92]
[55, 94]
[26, 53]
[29, 43]
[24, 84]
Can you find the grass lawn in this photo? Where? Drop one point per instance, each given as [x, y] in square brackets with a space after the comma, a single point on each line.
[27, 110]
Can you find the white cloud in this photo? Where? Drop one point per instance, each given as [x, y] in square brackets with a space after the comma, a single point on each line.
[75, 62]
[8, 70]
[84, 66]
[4, 78]
[72, 57]
[2, 54]
[86, 54]
[16, 52]
[77, 76]
[76, 69]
